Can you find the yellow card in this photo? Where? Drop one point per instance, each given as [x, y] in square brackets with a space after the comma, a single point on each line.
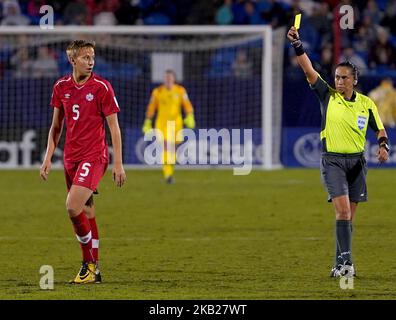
[297, 21]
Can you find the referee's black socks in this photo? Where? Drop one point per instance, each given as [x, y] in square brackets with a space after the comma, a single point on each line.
[344, 238]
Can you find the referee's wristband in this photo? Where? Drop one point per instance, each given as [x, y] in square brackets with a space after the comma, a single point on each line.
[298, 47]
[383, 142]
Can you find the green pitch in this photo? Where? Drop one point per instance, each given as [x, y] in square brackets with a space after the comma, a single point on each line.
[212, 235]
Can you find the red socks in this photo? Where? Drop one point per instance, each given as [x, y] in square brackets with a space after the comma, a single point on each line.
[83, 232]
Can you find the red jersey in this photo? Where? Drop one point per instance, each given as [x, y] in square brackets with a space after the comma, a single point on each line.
[85, 106]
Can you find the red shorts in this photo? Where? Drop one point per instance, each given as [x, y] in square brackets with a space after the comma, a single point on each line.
[85, 173]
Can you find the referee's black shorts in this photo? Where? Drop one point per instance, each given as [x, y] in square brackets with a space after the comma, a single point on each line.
[344, 174]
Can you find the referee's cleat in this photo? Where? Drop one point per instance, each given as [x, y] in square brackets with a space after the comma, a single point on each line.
[335, 271]
[343, 270]
[348, 270]
[170, 180]
[87, 274]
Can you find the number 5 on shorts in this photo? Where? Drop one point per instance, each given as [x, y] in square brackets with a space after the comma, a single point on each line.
[85, 167]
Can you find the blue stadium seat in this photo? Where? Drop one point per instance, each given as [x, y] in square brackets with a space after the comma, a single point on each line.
[5, 55]
[127, 70]
[169, 8]
[382, 4]
[221, 63]
[392, 40]
[34, 20]
[239, 13]
[157, 19]
[285, 5]
[23, 5]
[363, 55]
[382, 69]
[262, 6]
[146, 4]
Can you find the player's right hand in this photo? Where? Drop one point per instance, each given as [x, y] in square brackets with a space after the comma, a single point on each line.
[45, 169]
[292, 35]
[147, 125]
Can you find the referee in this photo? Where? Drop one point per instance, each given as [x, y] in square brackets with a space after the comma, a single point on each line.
[346, 114]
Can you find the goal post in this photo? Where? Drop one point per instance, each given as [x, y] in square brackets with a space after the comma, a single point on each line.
[233, 75]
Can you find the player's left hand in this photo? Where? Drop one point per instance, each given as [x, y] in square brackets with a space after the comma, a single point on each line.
[382, 155]
[119, 175]
[189, 121]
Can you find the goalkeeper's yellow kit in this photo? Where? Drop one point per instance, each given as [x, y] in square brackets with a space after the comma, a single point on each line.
[168, 105]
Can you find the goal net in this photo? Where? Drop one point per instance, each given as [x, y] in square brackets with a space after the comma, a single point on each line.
[233, 76]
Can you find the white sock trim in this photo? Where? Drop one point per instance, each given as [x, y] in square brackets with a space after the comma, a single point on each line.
[95, 244]
[84, 239]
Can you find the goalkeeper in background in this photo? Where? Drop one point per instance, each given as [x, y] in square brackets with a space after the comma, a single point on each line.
[166, 102]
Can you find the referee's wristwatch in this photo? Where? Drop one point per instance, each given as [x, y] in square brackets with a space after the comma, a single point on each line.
[385, 146]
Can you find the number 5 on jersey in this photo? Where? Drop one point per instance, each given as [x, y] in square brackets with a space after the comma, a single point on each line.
[75, 111]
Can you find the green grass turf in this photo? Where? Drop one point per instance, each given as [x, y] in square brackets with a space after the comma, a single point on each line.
[212, 235]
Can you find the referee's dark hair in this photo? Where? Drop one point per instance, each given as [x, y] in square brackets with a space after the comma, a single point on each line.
[354, 69]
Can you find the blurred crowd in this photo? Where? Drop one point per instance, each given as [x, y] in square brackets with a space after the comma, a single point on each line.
[371, 44]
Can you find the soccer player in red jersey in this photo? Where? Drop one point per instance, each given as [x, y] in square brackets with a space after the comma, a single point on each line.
[84, 101]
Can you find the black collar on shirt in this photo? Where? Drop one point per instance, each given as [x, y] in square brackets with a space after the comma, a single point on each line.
[353, 97]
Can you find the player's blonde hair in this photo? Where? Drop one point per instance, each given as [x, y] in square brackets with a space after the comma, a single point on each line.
[76, 45]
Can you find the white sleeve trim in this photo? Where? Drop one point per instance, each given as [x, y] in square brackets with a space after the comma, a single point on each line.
[107, 89]
[62, 81]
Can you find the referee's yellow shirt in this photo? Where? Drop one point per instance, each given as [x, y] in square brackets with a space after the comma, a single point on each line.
[344, 123]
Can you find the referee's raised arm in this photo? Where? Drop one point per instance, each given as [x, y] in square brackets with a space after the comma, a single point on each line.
[302, 58]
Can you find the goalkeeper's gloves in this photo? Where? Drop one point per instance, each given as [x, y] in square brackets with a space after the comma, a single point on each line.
[189, 121]
[147, 125]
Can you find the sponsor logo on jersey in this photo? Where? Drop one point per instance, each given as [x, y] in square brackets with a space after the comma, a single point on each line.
[89, 97]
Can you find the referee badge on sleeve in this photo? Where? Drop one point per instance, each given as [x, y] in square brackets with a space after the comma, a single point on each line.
[361, 122]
